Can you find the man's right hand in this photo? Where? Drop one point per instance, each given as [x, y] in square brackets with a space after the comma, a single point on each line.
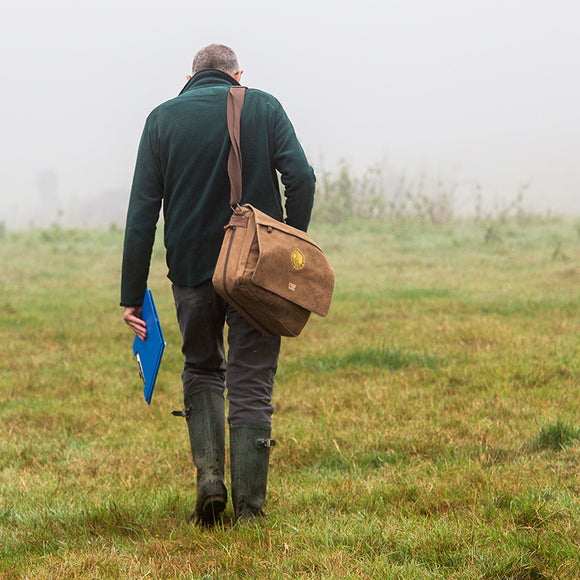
[132, 316]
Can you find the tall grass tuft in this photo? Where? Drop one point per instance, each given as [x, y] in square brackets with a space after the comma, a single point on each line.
[556, 436]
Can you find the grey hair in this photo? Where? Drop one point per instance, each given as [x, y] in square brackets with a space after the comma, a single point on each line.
[216, 56]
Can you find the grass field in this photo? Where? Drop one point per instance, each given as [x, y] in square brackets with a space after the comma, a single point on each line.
[428, 428]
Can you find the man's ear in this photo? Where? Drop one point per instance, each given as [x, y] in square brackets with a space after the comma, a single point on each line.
[188, 77]
[238, 75]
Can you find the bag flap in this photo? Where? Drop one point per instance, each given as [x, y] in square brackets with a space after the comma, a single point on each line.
[291, 265]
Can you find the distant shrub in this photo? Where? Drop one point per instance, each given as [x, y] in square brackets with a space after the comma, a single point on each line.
[378, 196]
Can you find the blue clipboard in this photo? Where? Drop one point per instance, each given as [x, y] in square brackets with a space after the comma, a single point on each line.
[149, 351]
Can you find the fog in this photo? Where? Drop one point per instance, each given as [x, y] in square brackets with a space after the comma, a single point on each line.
[479, 94]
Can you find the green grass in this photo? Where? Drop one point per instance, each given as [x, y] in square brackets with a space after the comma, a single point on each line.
[429, 427]
[556, 436]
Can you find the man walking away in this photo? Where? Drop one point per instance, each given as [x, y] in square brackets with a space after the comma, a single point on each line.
[182, 168]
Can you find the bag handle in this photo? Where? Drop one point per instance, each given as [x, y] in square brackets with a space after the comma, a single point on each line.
[234, 113]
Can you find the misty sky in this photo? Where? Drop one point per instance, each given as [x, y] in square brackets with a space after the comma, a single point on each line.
[472, 92]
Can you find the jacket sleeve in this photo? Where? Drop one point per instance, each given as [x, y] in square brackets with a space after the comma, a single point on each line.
[297, 175]
[142, 215]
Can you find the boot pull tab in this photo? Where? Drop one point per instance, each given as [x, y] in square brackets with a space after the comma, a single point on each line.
[265, 443]
[182, 412]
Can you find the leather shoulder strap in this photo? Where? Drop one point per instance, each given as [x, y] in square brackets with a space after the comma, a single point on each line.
[234, 113]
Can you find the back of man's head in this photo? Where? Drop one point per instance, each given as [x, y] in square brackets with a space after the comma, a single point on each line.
[217, 56]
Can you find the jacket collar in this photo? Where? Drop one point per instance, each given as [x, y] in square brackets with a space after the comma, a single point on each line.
[210, 76]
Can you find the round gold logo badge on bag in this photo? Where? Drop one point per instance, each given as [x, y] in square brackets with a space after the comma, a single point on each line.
[297, 259]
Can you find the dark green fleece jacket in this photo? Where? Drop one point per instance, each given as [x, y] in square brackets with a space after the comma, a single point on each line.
[182, 166]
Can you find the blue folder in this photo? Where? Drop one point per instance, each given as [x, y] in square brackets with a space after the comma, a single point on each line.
[149, 351]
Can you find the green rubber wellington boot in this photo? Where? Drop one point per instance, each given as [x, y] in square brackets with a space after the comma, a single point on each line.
[204, 412]
[249, 457]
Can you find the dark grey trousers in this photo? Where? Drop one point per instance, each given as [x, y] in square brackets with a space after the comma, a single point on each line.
[251, 363]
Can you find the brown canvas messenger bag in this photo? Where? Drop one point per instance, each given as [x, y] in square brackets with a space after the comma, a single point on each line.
[273, 274]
